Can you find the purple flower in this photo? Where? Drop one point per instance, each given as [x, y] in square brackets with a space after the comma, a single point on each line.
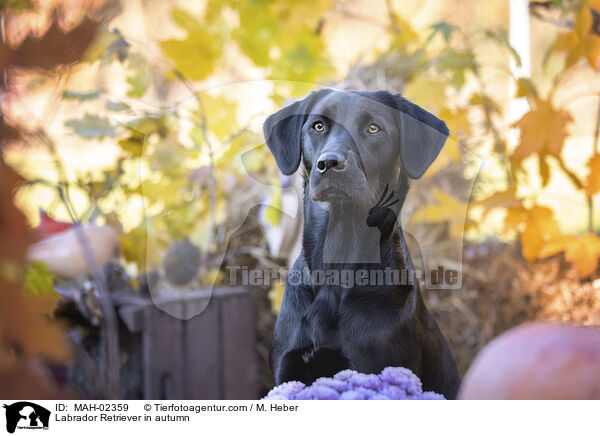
[338, 385]
[395, 393]
[403, 378]
[316, 392]
[394, 383]
[345, 375]
[358, 394]
[369, 381]
[285, 390]
[432, 396]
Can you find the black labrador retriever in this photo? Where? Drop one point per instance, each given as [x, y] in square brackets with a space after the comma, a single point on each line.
[351, 300]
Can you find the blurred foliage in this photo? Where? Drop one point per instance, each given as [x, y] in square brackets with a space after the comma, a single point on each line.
[179, 140]
[27, 332]
[181, 159]
[189, 168]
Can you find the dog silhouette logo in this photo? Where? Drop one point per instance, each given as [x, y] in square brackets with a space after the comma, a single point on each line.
[26, 415]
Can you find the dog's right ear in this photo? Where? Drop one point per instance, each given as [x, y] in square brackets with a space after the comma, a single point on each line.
[283, 135]
[283, 132]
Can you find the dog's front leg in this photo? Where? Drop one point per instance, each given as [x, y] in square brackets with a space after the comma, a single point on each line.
[305, 345]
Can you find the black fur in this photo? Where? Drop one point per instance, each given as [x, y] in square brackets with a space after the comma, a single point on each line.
[322, 329]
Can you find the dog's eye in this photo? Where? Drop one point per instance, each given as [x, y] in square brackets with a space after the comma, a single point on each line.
[318, 126]
[373, 128]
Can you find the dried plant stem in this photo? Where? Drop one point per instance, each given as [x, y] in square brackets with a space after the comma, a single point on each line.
[212, 185]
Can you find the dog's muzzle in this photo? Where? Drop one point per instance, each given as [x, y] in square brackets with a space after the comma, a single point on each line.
[336, 176]
[331, 159]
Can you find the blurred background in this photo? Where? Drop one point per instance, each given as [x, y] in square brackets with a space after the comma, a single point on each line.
[135, 179]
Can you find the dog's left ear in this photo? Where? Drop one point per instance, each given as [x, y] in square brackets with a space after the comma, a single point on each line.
[422, 136]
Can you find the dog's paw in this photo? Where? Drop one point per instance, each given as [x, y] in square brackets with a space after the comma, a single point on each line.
[307, 355]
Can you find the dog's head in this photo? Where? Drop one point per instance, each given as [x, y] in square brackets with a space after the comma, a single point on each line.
[353, 143]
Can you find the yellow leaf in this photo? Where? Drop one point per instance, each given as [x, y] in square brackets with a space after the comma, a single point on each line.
[583, 254]
[220, 113]
[457, 121]
[273, 211]
[276, 295]
[429, 93]
[447, 209]
[403, 32]
[449, 154]
[581, 42]
[195, 56]
[515, 217]
[593, 180]
[543, 130]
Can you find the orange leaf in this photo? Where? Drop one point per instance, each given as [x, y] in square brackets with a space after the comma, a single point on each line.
[556, 245]
[584, 253]
[23, 322]
[593, 179]
[54, 48]
[581, 42]
[539, 227]
[543, 130]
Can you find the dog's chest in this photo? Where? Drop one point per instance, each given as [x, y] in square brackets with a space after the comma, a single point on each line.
[342, 319]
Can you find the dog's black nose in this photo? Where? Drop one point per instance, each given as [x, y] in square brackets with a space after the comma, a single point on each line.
[331, 159]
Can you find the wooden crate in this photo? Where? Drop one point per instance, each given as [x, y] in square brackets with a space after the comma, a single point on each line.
[207, 357]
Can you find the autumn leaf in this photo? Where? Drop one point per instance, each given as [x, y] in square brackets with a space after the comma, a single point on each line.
[448, 209]
[54, 48]
[457, 121]
[273, 211]
[542, 130]
[14, 231]
[581, 42]
[23, 319]
[593, 179]
[194, 56]
[16, 5]
[582, 251]
[26, 325]
[276, 295]
[429, 93]
[449, 154]
[220, 114]
[404, 33]
[39, 280]
[583, 254]
[538, 227]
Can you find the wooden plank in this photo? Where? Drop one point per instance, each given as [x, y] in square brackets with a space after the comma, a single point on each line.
[238, 340]
[201, 351]
[162, 350]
